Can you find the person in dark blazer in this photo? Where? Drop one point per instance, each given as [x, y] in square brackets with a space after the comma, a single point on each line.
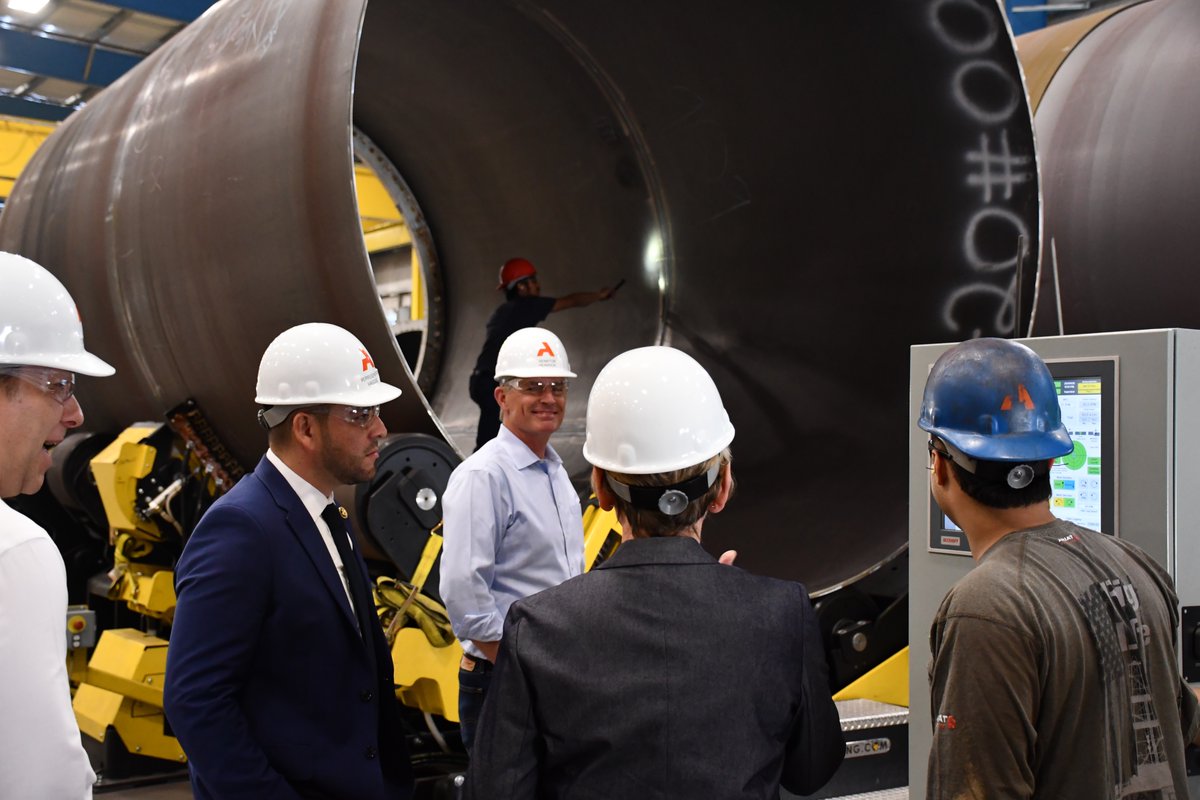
[664, 672]
[279, 679]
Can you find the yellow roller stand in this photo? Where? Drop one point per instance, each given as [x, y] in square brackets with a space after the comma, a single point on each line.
[426, 676]
[887, 683]
[425, 655]
[601, 534]
[123, 688]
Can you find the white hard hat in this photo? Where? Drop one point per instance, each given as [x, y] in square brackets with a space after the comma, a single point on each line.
[319, 363]
[533, 353]
[654, 409]
[39, 323]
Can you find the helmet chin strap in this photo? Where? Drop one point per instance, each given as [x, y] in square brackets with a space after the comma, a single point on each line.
[1016, 476]
[668, 500]
[273, 415]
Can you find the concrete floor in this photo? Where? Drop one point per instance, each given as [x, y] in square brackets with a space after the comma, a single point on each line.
[173, 790]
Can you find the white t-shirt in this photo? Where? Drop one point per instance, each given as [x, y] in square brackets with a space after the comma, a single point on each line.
[41, 754]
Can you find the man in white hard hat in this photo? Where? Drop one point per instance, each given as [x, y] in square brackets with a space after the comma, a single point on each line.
[512, 521]
[279, 679]
[663, 672]
[41, 349]
[524, 306]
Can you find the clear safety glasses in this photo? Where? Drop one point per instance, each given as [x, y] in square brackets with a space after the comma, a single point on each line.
[535, 387]
[55, 382]
[362, 416]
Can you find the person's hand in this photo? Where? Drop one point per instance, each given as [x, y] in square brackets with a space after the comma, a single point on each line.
[727, 557]
[489, 649]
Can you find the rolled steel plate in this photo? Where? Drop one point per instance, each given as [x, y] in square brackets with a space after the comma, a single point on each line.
[1116, 137]
[794, 193]
[1043, 51]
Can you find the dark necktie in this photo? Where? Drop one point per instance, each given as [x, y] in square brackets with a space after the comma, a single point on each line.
[364, 606]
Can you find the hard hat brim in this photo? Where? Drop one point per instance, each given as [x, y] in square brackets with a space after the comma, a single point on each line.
[375, 395]
[83, 363]
[683, 461]
[534, 373]
[1031, 446]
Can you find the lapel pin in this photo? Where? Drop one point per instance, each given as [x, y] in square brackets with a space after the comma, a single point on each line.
[342, 511]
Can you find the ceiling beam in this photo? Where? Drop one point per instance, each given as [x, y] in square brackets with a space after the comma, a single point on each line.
[33, 109]
[66, 60]
[179, 10]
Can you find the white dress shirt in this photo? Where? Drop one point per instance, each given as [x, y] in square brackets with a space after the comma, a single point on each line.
[314, 503]
[41, 753]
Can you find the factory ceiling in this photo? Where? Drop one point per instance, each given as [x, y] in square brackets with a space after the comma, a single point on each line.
[55, 55]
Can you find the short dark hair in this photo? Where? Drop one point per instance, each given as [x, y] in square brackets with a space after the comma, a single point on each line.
[987, 486]
[649, 523]
[9, 384]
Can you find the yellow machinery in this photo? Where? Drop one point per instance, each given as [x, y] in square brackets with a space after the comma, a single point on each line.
[155, 481]
[425, 654]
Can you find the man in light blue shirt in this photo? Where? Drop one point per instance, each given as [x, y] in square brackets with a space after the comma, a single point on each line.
[513, 525]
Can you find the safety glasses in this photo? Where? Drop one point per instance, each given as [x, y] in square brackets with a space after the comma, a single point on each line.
[362, 416]
[55, 382]
[535, 387]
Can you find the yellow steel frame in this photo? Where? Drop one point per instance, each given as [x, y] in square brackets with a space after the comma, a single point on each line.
[122, 688]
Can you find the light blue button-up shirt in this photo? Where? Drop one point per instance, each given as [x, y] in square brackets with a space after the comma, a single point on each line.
[513, 526]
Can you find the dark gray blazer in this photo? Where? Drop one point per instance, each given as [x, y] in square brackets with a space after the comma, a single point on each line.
[660, 674]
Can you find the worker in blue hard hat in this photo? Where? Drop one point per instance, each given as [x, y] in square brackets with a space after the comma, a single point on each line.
[1058, 649]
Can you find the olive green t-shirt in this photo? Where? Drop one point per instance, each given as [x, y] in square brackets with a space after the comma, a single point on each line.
[1054, 674]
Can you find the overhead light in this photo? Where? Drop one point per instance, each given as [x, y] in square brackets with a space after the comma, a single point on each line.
[28, 6]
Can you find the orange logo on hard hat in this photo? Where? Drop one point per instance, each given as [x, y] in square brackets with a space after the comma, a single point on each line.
[1022, 396]
[546, 350]
[367, 362]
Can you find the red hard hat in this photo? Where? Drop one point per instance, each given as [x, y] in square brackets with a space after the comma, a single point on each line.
[514, 271]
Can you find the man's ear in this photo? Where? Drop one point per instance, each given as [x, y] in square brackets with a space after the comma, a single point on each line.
[726, 481]
[304, 430]
[941, 470]
[604, 494]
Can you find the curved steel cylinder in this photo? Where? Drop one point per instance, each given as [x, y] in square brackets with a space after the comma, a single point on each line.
[794, 193]
[1115, 130]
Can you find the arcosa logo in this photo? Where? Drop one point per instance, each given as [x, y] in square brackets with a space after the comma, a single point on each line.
[946, 721]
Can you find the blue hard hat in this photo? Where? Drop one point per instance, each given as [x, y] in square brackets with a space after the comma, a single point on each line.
[994, 400]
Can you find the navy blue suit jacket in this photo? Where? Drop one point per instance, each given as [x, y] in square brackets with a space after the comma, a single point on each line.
[269, 686]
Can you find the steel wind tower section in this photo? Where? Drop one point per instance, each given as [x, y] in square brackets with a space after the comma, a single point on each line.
[795, 193]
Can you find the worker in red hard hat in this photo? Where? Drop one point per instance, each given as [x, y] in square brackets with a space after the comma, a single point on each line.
[523, 307]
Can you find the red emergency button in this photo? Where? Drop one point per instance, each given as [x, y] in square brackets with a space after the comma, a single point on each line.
[76, 624]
